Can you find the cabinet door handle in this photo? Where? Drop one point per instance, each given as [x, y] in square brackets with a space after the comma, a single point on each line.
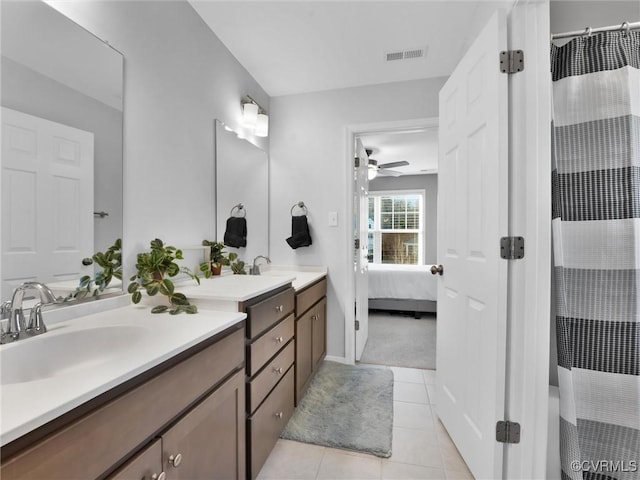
[175, 460]
[279, 415]
[160, 476]
[279, 339]
[279, 308]
[278, 370]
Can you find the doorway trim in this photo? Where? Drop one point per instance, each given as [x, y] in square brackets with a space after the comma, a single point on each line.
[351, 132]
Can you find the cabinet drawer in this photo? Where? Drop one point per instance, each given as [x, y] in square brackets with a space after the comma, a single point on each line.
[268, 312]
[90, 446]
[268, 422]
[260, 386]
[260, 351]
[307, 297]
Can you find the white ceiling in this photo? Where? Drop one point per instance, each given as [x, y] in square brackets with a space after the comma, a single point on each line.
[300, 46]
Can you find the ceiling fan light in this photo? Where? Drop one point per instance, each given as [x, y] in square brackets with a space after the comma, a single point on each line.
[249, 114]
[372, 172]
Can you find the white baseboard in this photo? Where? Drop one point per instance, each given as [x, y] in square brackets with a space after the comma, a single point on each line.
[332, 358]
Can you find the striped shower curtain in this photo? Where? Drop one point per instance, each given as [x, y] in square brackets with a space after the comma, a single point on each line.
[596, 235]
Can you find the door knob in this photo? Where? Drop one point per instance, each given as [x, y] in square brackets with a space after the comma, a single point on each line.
[437, 270]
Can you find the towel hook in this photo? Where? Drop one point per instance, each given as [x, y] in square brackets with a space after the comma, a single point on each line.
[300, 205]
[240, 208]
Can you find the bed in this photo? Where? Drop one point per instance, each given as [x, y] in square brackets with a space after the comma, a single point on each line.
[410, 288]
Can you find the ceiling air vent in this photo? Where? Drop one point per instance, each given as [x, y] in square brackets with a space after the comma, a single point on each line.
[406, 54]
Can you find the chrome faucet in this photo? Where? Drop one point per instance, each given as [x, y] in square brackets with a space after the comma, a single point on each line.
[16, 327]
[255, 269]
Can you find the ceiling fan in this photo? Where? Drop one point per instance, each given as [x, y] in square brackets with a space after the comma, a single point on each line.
[383, 169]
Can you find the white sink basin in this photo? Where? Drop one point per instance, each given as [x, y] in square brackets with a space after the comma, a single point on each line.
[63, 351]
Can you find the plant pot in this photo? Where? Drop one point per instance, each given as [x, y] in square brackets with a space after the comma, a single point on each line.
[216, 268]
[157, 276]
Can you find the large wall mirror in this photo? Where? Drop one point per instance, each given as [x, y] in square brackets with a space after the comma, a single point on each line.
[242, 177]
[62, 111]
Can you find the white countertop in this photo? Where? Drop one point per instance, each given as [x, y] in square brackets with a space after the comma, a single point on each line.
[224, 292]
[130, 340]
[303, 275]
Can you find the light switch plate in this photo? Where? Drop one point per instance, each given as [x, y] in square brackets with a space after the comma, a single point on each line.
[333, 219]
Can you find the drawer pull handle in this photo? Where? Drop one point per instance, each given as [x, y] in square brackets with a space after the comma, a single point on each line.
[279, 339]
[160, 476]
[279, 415]
[175, 460]
[279, 308]
[278, 370]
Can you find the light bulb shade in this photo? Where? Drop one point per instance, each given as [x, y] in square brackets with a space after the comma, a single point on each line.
[372, 173]
[262, 125]
[249, 114]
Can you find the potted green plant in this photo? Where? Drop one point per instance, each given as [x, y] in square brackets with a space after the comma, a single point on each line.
[111, 263]
[216, 258]
[155, 269]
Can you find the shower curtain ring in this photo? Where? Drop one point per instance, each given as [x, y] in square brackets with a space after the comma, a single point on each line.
[587, 32]
[625, 27]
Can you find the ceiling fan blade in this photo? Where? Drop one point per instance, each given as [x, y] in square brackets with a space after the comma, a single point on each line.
[402, 163]
[388, 173]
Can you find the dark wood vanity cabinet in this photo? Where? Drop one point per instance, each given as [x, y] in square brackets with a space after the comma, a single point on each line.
[270, 350]
[185, 418]
[311, 333]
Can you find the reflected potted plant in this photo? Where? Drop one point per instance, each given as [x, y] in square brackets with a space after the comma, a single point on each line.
[155, 269]
[216, 259]
[111, 263]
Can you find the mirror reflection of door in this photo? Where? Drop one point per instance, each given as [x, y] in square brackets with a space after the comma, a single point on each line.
[47, 200]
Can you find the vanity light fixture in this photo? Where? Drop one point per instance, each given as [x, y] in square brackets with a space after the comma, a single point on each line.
[249, 114]
[262, 125]
[255, 117]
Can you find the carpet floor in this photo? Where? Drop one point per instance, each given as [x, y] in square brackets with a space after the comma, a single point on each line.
[401, 341]
[348, 407]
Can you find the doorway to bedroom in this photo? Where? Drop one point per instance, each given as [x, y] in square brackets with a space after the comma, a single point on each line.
[401, 247]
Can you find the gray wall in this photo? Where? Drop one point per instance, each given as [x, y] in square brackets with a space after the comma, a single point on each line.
[30, 92]
[428, 183]
[179, 77]
[309, 162]
[566, 17]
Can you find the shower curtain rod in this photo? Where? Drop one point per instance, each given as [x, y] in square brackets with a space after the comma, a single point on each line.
[626, 26]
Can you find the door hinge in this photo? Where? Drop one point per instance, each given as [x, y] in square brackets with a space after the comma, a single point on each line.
[356, 161]
[511, 61]
[512, 248]
[356, 243]
[508, 432]
[357, 325]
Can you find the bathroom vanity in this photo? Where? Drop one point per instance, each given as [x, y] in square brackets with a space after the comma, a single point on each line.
[285, 342]
[157, 417]
[164, 397]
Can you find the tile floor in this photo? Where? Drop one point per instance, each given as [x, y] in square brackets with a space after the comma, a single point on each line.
[421, 446]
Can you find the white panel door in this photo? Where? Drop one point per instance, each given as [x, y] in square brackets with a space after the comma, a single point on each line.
[472, 216]
[361, 251]
[47, 200]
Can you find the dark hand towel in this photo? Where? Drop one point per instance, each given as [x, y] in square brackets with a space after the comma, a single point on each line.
[236, 233]
[300, 236]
